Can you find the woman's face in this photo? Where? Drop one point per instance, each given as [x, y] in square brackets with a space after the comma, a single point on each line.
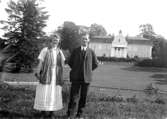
[55, 41]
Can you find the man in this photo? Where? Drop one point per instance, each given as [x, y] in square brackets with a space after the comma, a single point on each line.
[82, 62]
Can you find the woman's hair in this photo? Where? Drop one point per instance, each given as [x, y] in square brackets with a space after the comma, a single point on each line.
[51, 38]
[55, 35]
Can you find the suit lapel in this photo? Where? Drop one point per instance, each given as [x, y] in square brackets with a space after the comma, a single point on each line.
[80, 52]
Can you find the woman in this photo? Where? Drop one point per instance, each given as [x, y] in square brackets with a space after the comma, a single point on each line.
[50, 73]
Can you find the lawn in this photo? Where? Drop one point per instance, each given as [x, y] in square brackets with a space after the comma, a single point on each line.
[16, 102]
[127, 76]
[112, 75]
[106, 99]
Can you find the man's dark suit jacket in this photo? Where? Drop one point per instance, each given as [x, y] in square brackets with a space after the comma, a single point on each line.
[90, 63]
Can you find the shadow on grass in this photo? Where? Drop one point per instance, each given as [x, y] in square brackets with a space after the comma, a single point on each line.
[160, 79]
[145, 69]
[13, 115]
[37, 115]
[17, 103]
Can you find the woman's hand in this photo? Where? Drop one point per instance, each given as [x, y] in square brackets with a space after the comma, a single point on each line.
[38, 70]
[37, 74]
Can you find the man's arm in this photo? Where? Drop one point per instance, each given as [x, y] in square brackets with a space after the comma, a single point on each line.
[94, 61]
[71, 59]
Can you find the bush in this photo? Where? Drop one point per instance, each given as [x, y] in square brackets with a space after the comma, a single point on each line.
[11, 67]
[115, 59]
[160, 100]
[146, 62]
[150, 63]
[133, 99]
[151, 89]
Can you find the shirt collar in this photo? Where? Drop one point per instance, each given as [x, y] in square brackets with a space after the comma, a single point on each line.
[83, 47]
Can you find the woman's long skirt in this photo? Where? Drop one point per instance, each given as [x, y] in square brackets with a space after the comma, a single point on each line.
[49, 96]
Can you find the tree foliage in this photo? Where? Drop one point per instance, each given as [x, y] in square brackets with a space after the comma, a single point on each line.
[97, 30]
[70, 36]
[147, 31]
[24, 29]
[159, 43]
[2, 43]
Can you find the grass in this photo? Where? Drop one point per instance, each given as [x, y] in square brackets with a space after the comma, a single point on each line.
[26, 77]
[128, 76]
[115, 75]
[102, 103]
[17, 102]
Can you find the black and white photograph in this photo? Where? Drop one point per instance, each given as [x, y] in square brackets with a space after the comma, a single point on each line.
[83, 59]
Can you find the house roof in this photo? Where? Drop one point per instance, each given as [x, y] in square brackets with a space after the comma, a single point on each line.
[102, 39]
[130, 40]
[138, 40]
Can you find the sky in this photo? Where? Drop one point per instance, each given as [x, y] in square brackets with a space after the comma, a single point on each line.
[113, 15]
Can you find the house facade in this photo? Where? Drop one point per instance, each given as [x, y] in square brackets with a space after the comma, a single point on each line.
[121, 47]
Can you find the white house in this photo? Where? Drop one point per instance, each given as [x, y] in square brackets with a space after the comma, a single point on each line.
[121, 47]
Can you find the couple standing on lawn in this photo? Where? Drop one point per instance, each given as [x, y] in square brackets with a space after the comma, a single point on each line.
[82, 62]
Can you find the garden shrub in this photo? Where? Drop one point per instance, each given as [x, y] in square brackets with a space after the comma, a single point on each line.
[132, 99]
[150, 63]
[160, 100]
[151, 90]
[145, 62]
[115, 59]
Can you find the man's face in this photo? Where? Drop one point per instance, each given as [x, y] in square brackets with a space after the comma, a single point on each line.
[85, 40]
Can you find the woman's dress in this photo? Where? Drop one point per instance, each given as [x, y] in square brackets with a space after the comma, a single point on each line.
[49, 96]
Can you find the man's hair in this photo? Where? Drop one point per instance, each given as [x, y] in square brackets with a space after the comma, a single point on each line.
[83, 31]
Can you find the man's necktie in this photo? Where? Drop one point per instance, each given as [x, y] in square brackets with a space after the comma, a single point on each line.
[83, 52]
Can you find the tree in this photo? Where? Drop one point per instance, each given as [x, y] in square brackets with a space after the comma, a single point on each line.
[2, 43]
[24, 29]
[146, 29]
[70, 36]
[97, 30]
[159, 43]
